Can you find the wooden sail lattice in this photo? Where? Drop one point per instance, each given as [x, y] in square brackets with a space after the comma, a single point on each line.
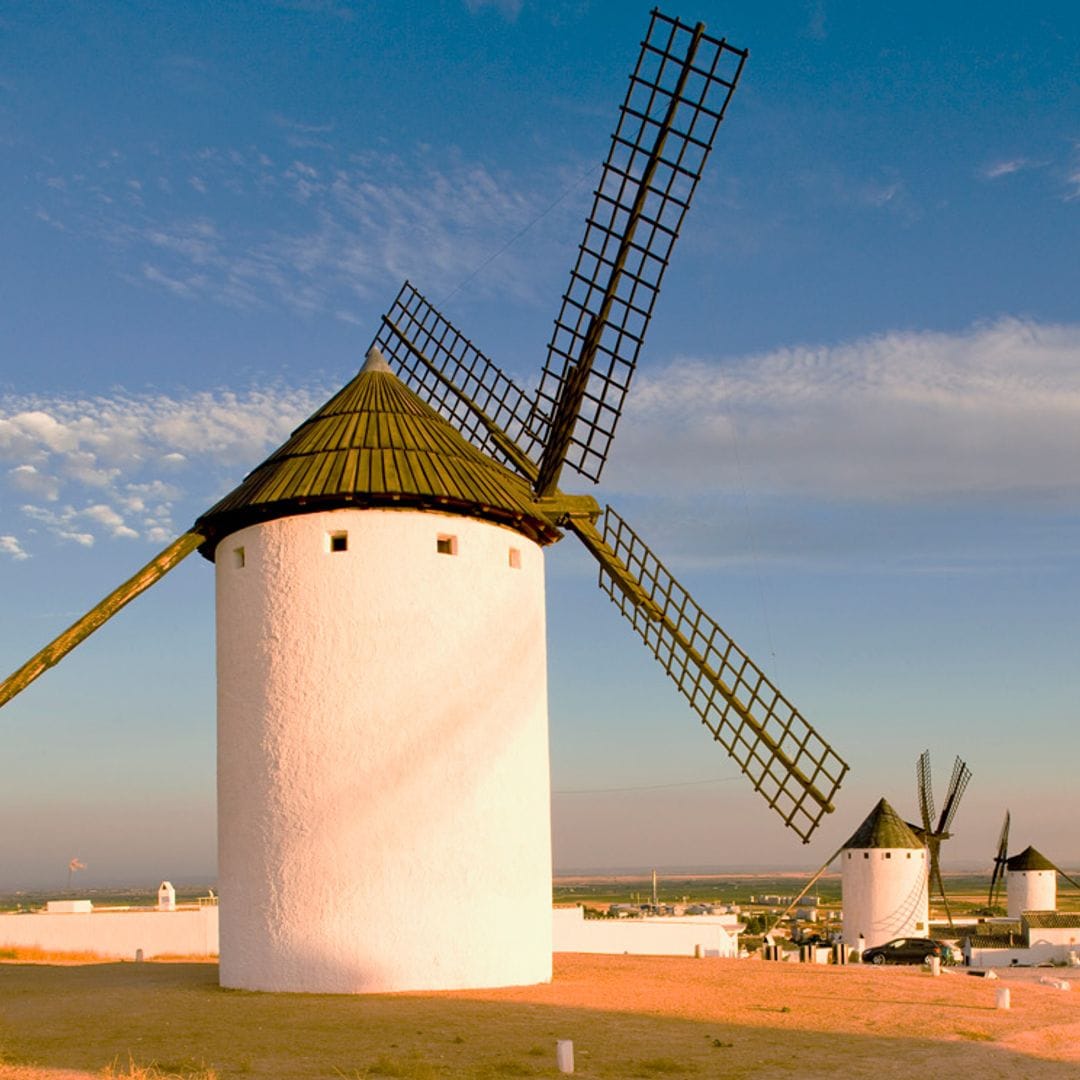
[443, 367]
[678, 93]
[785, 759]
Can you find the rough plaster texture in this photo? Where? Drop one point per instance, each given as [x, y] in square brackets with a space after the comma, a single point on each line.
[383, 776]
[716, 935]
[186, 932]
[1030, 890]
[885, 895]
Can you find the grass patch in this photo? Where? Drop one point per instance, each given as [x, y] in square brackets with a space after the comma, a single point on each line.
[976, 1036]
[134, 1071]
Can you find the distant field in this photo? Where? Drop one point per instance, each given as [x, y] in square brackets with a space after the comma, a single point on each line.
[967, 892]
[628, 1017]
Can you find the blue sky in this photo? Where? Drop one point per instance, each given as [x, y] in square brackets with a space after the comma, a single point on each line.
[854, 434]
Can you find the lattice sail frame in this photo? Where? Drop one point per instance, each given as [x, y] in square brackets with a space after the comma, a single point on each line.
[1000, 862]
[413, 326]
[786, 760]
[924, 784]
[958, 783]
[678, 93]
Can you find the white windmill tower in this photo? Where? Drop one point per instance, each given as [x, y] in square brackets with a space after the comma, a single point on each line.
[383, 767]
[884, 880]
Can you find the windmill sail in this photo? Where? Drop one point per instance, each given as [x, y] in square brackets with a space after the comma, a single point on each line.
[961, 774]
[442, 367]
[98, 615]
[786, 760]
[933, 835]
[678, 93]
[1000, 861]
[926, 791]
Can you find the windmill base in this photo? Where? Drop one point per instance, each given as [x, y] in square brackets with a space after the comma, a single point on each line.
[383, 776]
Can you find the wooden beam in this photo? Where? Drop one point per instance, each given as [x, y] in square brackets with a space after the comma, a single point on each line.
[98, 615]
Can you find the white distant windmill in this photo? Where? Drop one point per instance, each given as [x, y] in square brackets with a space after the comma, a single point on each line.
[383, 790]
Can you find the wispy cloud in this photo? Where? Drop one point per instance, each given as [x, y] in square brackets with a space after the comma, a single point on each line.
[508, 9]
[993, 412]
[1005, 168]
[306, 226]
[10, 546]
[124, 467]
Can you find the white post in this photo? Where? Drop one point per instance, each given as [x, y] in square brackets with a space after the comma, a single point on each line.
[1003, 997]
[564, 1055]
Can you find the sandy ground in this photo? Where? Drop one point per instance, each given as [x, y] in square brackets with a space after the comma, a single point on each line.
[856, 1000]
[886, 1017]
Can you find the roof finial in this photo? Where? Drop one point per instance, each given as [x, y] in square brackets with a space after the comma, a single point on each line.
[375, 361]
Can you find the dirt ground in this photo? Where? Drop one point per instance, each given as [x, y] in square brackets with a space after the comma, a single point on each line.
[773, 1019]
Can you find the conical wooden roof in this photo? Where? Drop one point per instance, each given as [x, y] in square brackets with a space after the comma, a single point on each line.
[1029, 859]
[884, 828]
[376, 444]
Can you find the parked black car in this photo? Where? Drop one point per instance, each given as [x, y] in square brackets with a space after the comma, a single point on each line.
[909, 950]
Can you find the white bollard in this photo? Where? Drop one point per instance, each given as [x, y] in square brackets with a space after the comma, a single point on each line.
[1003, 997]
[564, 1055]
[935, 964]
[138, 956]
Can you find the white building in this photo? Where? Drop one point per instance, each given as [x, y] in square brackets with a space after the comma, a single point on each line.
[382, 708]
[1030, 883]
[884, 881]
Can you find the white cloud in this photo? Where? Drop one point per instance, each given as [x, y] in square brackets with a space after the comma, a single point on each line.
[9, 545]
[29, 479]
[1005, 168]
[97, 467]
[991, 412]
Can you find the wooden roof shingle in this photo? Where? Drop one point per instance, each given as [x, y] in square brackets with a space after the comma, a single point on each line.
[376, 444]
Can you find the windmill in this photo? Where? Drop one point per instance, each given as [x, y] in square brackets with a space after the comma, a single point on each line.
[1029, 877]
[932, 835]
[407, 692]
[1001, 859]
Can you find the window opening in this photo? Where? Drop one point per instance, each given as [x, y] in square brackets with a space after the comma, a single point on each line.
[446, 545]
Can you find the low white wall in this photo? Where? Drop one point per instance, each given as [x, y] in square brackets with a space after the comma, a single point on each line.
[194, 932]
[572, 932]
[189, 932]
[1037, 954]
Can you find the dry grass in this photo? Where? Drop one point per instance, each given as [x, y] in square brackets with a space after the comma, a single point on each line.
[32, 955]
[628, 1016]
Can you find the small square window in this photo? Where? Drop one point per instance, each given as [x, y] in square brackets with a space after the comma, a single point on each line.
[238, 557]
[446, 545]
[909, 854]
[515, 559]
[339, 541]
[866, 854]
[888, 854]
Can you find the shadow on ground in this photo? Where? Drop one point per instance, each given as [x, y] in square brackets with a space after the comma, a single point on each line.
[176, 1017]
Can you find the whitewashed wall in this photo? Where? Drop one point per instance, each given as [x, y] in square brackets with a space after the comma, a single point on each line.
[644, 937]
[115, 934]
[1030, 890]
[884, 894]
[383, 775]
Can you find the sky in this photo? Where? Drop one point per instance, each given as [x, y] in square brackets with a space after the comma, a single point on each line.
[854, 434]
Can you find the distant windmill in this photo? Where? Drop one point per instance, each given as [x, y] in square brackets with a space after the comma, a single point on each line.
[932, 835]
[1030, 878]
[1001, 859]
[382, 712]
